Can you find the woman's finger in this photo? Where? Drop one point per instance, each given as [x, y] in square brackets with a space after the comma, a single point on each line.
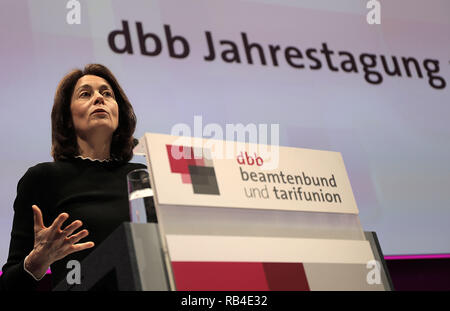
[57, 223]
[77, 237]
[37, 218]
[80, 247]
[72, 227]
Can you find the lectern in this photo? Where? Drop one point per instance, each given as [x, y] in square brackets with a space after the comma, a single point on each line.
[131, 259]
[252, 218]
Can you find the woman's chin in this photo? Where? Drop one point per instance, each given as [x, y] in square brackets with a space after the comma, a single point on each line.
[105, 127]
[101, 122]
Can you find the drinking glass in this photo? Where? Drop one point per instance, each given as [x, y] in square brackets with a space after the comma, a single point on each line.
[140, 196]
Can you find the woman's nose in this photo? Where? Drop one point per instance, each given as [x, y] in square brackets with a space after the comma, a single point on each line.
[98, 98]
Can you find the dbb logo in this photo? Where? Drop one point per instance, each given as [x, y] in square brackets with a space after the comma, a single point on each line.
[249, 160]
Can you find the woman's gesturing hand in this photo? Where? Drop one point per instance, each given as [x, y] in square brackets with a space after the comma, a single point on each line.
[53, 243]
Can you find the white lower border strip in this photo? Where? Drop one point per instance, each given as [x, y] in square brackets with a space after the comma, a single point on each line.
[266, 249]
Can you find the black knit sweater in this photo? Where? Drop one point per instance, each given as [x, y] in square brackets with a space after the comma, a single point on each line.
[91, 191]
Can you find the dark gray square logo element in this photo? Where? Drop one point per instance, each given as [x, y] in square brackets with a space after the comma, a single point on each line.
[203, 179]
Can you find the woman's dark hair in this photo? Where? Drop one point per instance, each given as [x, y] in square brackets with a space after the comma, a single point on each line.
[64, 141]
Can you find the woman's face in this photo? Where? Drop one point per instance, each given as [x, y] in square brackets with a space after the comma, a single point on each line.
[94, 108]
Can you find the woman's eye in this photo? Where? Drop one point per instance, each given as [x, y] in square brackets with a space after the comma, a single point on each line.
[84, 94]
[107, 93]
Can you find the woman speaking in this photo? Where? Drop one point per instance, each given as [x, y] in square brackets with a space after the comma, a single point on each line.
[66, 207]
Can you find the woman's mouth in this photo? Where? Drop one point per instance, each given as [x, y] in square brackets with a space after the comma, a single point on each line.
[99, 111]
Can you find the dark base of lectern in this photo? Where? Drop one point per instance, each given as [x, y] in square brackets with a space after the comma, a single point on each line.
[130, 259]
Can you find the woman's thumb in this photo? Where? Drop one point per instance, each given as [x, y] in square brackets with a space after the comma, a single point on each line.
[37, 216]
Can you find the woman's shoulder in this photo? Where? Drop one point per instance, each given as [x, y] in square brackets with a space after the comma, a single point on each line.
[39, 169]
[35, 176]
[45, 169]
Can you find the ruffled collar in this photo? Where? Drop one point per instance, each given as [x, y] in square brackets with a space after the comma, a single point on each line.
[95, 160]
